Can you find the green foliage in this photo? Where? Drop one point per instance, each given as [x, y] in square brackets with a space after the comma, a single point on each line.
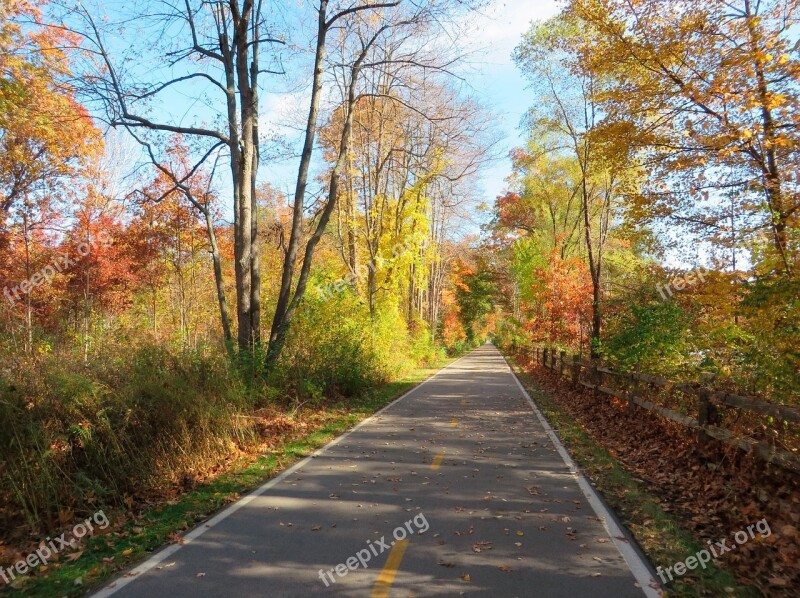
[328, 350]
[476, 299]
[423, 349]
[337, 348]
[650, 337]
[770, 357]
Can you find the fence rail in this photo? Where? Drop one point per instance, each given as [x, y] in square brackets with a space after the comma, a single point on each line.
[634, 389]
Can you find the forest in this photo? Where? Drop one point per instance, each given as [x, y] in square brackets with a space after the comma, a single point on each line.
[227, 227]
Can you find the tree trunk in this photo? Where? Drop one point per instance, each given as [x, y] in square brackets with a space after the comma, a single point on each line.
[216, 259]
[279, 322]
[770, 170]
[28, 274]
[594, 268]
[372, 284]
[246, 174]
[255, 247]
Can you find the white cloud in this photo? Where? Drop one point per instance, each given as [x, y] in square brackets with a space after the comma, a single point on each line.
[505, 22]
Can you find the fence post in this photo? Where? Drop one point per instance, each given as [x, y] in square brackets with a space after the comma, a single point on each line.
[563, 356]
[706, 412]
[544, 357]
[595, 379]
[576, 370]
[703, 413]
[634, 391]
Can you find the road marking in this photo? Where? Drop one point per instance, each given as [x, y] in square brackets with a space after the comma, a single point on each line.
[437, 461]
[454, 423]
[389, 572]
[636, 563]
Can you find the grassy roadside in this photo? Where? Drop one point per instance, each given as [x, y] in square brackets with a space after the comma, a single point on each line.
[658, 532]
[105, 555]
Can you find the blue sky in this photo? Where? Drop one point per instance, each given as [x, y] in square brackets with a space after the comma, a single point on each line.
[497, 80]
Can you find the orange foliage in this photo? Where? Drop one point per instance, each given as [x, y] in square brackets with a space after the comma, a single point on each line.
[563, 292]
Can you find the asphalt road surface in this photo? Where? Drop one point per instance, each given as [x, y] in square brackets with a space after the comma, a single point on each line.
[456, 489]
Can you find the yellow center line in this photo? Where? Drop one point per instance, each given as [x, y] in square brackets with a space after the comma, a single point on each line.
[437, 461]
[454, 423]
[389, 572]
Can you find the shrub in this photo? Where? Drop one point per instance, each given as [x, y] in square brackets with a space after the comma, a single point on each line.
[73, 435]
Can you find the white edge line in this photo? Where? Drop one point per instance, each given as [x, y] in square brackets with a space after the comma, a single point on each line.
[163, 554]
[640, 570]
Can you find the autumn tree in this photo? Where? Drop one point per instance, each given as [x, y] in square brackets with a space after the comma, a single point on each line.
[708, 92]
[537, 234]
[567, 115]
[45, 137]
[220, 45]
[409, 149]
[178, 180]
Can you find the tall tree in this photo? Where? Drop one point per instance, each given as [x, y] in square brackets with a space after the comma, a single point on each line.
[570, 120]
[46, 137]
[216, 43]
[362, 27]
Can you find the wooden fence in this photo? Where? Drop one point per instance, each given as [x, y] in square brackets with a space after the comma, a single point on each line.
[636, 387]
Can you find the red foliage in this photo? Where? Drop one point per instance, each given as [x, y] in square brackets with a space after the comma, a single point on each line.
[563, 294]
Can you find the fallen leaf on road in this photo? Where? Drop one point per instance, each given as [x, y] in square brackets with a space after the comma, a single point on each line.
[482, 545]
[505, 568]
[316, 528]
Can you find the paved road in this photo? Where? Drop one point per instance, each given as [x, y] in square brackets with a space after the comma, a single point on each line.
[456, 489]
